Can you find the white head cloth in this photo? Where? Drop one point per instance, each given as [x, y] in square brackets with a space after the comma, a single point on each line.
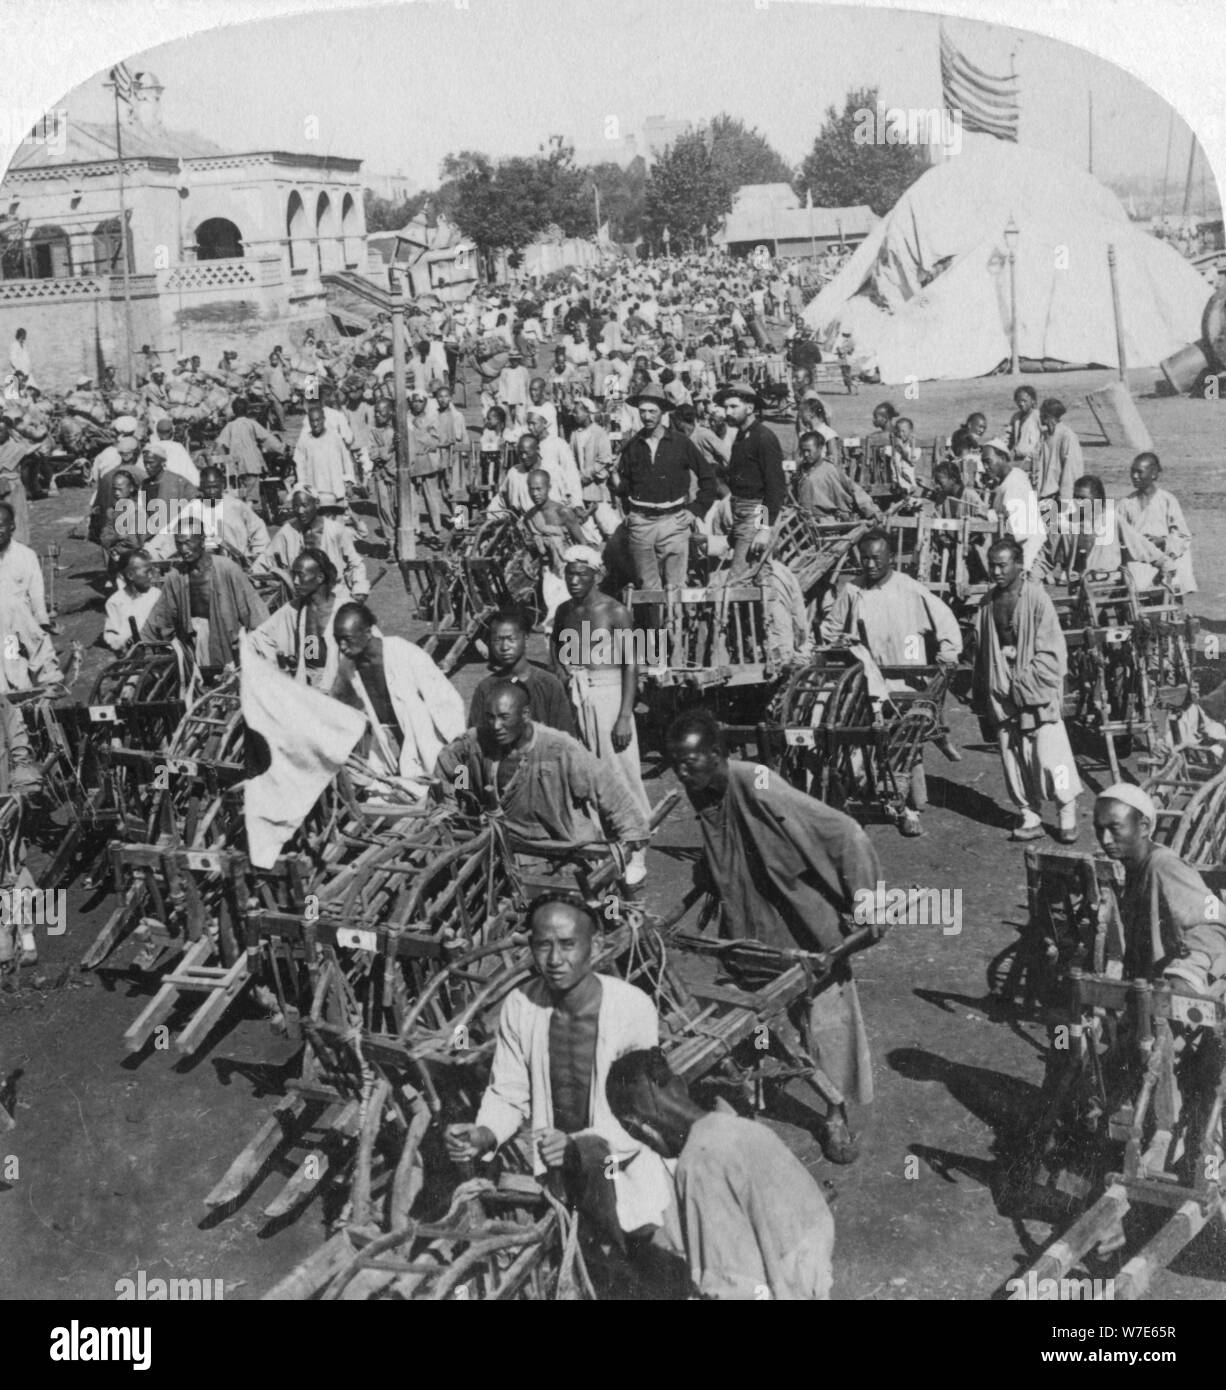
[584, 555]
[1131, 795]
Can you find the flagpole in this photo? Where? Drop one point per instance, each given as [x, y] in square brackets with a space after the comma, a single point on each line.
[123, 244]
[1091, 95]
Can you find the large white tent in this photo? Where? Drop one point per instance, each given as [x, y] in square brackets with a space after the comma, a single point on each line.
[927, 294]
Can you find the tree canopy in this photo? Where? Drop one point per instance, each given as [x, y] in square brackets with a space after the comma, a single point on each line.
[506, 204]
[686, 193]
[844, 169]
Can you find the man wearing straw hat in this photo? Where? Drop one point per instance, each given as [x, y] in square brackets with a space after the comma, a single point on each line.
[656, 468]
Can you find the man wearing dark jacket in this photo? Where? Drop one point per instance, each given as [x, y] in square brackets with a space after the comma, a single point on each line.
[655, 470]
[755, 475]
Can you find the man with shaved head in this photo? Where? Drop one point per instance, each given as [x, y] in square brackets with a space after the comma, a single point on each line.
[543, 784]
[558, 1035]
[754, 1221]
[206, 601]
[788, 871]
[229, 523]
[308, 527]
[1155, 515]
[557, 458]
[1021, 659]
[412, 709]
[515, 494]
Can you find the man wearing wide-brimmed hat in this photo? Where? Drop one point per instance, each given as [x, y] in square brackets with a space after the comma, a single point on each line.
[655, 471]
[755, 475]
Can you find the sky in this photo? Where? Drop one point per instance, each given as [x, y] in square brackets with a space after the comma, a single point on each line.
[401, 86]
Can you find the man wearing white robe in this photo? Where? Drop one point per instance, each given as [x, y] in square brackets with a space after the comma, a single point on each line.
[412, 709]
[558, 1035]
[1015, 502]
[1158, 517]
[322, 460]
[21, 575]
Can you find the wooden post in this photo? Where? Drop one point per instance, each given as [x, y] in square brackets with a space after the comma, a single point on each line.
[406, 520]
[1115, 306]
[128, 379]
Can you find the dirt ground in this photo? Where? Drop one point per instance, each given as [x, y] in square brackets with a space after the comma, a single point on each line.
[115, 1152]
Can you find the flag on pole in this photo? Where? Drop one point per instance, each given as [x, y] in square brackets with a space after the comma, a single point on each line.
[125, 82]
[987, 104]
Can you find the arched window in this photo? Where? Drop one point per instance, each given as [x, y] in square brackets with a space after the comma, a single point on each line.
[218, 239]
[296, 231]
[327, 231]
[108, 249]
[351, 231]
[48, 254]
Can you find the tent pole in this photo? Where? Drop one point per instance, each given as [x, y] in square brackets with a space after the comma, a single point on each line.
[1115, 306]
[1187, 187]
[1091, 132]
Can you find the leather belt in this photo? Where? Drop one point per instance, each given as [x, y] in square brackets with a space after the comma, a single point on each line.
[657, 508]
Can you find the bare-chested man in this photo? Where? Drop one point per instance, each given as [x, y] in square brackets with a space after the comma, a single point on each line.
[593, 649]
[553, 526]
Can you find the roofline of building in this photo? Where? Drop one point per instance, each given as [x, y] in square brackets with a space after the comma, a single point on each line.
[172, 163]
[312, 161]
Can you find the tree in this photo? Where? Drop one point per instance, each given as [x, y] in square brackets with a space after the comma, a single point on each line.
[506, 205]
[685, 193]
[845, 168]
[622, 193]
[743, 155]
[385, 215]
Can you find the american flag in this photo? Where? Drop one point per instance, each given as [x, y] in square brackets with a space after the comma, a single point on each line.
[988, 104]
[125, 82]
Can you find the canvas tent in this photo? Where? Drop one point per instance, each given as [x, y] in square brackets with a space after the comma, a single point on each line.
[927, 294]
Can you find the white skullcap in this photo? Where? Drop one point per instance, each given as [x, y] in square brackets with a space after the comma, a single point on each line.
[998, 444]
[584, 555]
[587, 403]
[1131, 795]
[126, 424]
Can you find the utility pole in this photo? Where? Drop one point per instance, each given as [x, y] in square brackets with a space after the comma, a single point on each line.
[123, 247]
[406, 520]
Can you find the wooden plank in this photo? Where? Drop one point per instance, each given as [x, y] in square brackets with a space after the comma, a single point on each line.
[276, 1130]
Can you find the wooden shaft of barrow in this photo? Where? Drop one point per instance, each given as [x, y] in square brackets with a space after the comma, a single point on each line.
[1132, 1281]
[1058, 1259]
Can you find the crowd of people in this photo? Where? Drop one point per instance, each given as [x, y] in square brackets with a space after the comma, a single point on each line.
[623, 417]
